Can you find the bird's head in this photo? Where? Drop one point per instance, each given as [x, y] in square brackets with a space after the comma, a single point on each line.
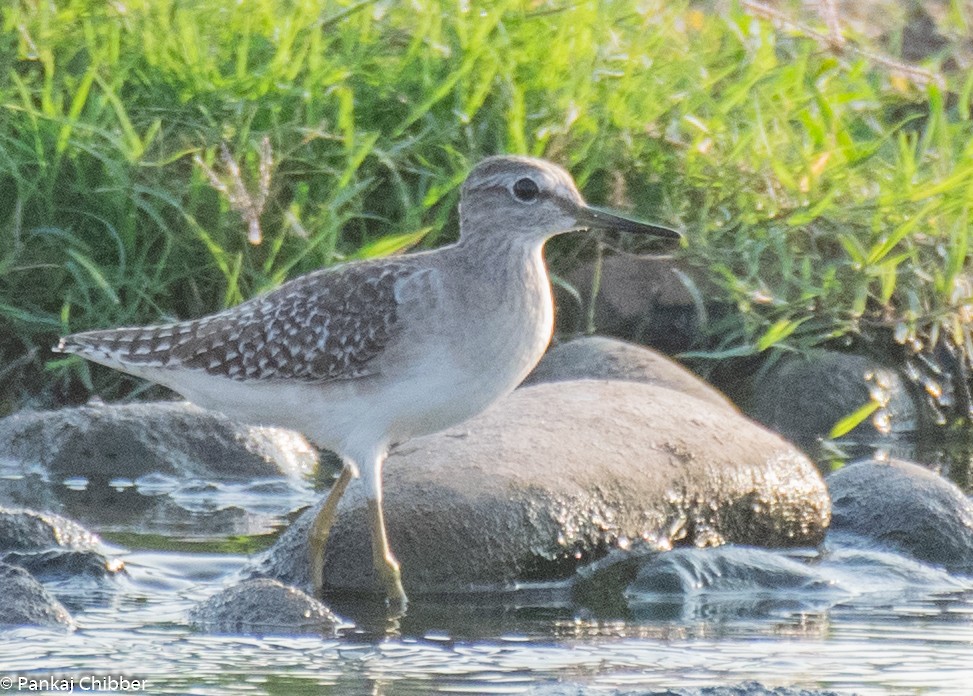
[532, 199]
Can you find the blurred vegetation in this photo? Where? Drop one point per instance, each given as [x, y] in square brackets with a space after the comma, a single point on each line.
[826, 194]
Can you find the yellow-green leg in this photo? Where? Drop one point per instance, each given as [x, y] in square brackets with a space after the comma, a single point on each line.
[384, 562]
[321, 527]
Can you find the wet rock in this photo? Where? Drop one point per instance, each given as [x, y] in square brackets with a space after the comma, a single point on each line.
[25, 602]
[264, 606]
[723, 571]
[729, 582]
[554, 476]
[739, 582]
[103, 442]
[645, 299]
[53, 548]
[905, 508]
[600, 357]
[65, 565]
[803, 397]
[27, 530]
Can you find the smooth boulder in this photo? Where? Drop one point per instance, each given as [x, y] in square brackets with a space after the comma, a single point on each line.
[601, 357]
[804, 396]
[263, 606]
[556, 475]
[906, 508]
[130, 440]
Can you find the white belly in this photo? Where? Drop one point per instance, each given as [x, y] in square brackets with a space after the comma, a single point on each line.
[433, 393]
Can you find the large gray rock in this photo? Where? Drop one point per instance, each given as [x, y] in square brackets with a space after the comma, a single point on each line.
[804, 396]
[108, 441]
[263, 606]
[554, 476]
[25, 602]
[600, 357]
[906, 508]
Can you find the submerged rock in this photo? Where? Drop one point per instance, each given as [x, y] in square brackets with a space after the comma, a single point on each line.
[740, 582]
[906, 508]
[728, 582]
[554, 476]
[804, 396]
[600, 357]
[107, 441]
[25, 602]
[263, 606]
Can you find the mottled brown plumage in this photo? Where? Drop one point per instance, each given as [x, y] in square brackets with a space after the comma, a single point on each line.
[327, 325]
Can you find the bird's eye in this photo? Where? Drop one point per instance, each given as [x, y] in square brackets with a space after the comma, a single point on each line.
[526, 190]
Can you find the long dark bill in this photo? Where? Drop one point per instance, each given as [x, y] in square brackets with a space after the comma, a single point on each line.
[599, 219]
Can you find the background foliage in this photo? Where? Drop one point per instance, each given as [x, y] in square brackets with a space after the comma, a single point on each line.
[826, 194]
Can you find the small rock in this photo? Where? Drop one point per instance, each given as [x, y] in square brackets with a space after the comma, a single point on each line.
[906, 508]
[53, 548]
[264, 606]
[27, 530]
[600, 357]
[107, 441]
[556, 475]
[25, 602]
[65, 566]
[803, 397]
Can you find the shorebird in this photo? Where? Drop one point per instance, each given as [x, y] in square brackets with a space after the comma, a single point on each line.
[360, 356]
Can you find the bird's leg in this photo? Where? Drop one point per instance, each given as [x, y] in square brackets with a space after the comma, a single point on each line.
[321, 527]
[384, 562]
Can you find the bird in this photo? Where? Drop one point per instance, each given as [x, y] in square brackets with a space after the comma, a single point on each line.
[367, 354]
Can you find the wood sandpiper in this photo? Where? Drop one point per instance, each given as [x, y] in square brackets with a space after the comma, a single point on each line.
[364, 355]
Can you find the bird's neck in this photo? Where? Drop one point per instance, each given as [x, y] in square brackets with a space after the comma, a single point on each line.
[508, 283]
[507, 262]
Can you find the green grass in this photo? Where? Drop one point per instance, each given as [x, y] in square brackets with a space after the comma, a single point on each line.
[824, 196]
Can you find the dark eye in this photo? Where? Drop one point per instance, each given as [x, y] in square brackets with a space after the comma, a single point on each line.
[526, 190]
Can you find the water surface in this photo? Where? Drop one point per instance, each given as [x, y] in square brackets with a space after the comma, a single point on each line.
[830, 618]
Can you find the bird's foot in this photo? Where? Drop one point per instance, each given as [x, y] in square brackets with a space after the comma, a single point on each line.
[396, 600]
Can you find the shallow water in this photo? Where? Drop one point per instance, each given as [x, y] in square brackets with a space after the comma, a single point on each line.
[834, 618]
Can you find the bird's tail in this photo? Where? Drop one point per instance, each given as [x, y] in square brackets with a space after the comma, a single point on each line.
[144, 345]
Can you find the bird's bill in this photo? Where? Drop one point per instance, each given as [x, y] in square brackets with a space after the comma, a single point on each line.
[593, 218]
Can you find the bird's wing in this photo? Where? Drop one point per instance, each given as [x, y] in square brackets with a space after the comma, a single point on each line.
[324, 326]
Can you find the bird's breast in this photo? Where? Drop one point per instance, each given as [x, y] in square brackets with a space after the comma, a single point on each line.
[481, 340]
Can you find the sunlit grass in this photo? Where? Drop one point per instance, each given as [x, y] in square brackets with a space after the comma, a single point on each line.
[825, 196]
